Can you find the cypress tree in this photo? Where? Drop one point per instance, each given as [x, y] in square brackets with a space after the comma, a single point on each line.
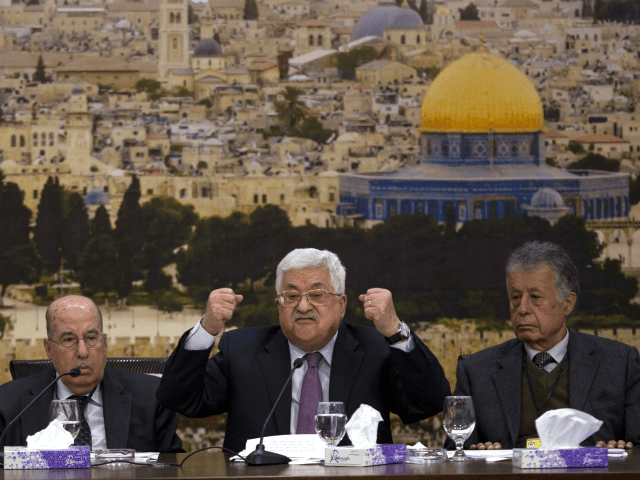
[250, 10]
[50, 224]
[40, 76]
[129, 236]
[101, 223]
[76, 230]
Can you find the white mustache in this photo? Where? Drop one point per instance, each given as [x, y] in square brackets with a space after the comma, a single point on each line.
[298, 315]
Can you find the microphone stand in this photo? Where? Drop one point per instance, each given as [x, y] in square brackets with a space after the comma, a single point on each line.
[74, 372]
[260, 456]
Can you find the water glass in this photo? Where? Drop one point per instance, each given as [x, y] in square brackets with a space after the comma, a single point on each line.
[331, 420]
[459, 420]
[68, 413]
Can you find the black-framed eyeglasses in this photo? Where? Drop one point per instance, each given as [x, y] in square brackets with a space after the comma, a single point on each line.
[70, 342]
[316, 297]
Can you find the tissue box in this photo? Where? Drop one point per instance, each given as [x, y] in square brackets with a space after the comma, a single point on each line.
[364, 456]
[23, 459]
[560, 458]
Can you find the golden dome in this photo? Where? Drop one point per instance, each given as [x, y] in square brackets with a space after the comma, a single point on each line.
[478, 92]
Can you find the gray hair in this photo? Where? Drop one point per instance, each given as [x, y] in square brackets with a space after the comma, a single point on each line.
[51, 312]
[536, 255]
[302, 258]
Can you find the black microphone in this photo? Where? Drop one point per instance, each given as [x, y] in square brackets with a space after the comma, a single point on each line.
[74, 372]
[260, 456]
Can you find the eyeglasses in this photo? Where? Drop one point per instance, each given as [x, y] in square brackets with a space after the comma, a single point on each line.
[317, 298]
[70, 342]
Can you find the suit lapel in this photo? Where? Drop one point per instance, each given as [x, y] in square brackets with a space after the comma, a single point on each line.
[275, 363]
[582, 369]
[507, 381]
[346, 360]
[117, 411]
[37, 418]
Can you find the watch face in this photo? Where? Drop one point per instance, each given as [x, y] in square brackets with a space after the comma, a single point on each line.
[405, 331]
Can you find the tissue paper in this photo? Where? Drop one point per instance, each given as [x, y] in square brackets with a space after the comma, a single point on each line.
[362, 427]
[52, 437]
[565, 428]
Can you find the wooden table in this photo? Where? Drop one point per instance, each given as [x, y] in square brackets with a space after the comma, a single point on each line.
[216, 465]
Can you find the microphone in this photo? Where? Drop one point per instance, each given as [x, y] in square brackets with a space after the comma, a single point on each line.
[260, 456]
[74, 372]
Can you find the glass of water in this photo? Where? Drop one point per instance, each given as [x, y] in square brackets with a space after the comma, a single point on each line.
[68, 413]
[330, 422]
[459, 420]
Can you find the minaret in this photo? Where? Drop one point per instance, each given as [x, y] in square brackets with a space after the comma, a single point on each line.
[174, 37]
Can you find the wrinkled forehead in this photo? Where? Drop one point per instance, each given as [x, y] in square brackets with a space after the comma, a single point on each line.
[77, 317]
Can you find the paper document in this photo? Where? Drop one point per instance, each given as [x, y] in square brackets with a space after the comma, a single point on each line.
[308, 446]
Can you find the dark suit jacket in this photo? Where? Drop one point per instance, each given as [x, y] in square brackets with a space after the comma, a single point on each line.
[604, 381]
[133, 418]
[246, 376]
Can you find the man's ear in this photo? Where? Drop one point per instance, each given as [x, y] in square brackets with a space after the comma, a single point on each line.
[570, 303]
[343, 305]
[47, 348]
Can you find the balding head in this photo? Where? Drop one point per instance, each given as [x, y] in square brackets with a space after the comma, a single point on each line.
[57, 307]
[76, 340]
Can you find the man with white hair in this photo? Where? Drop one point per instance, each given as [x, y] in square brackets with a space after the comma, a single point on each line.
[388, 367]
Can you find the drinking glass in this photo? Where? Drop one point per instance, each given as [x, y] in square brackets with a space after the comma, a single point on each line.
[330, 422]
[68, 413]
[459, 420]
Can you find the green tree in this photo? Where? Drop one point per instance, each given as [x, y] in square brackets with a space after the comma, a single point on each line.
[99, 270]
[312, 128]
[50, 224]
[347, 62]
[40, 75]
[595, 161]
[424, 12]
[250, 10]
[575, 147]
[101, 223]
[587, 10]
[470, 12]
[291, 111]
[634, 190]
[152, 87]
[18, 258]
[129, 236]
[76, 229]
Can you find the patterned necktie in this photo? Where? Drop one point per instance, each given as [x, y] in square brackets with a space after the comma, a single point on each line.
[310, 395]
[542, 359]
[84, 435]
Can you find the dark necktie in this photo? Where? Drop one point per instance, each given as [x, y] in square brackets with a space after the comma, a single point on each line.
[310, 395]
[542, 359]
[84, 435]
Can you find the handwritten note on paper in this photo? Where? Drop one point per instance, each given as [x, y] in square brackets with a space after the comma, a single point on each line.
[293, 446]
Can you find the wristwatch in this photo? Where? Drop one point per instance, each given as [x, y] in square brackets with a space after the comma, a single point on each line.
[402, 334]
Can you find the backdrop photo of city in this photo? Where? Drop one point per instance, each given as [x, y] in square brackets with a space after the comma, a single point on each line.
[151, 151]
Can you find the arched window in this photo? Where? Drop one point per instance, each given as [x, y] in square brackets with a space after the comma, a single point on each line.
[22, 142]
[319, 40]
[418, 39]
[175, 43]
[51, 139]
[35, 139]
[403, 40]
[392, 208]
[178, 17]
[171, 17]
[13, 140]
[311, 40]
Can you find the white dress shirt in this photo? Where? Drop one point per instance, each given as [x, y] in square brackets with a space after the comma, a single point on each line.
[93, 412]
[557, 352]
[200, 339]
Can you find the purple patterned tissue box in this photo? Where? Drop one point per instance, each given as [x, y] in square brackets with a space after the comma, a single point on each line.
[561, 458]
[364, 456]
[23, 459]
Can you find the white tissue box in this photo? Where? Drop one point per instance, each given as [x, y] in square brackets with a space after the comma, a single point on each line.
[23, 459]
[364, 456]
[560, 458]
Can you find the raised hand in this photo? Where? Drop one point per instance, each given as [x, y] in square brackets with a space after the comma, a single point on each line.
[220, 306]
[378, 306]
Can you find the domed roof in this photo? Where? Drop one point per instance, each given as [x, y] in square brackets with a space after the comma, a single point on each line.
[96, 196]
[208, 48]
[478, 92]
[547, 198]
[8, 165]
[375, 21]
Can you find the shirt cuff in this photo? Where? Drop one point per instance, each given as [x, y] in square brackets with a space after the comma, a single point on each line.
[199, 338]
[404, 346]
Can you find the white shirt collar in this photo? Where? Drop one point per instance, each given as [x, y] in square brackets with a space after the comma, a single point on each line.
[557, 352]
[326, 351]
[63, 393]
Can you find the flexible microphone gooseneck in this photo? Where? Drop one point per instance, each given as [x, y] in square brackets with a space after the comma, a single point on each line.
[260, 456]
[74, 372]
